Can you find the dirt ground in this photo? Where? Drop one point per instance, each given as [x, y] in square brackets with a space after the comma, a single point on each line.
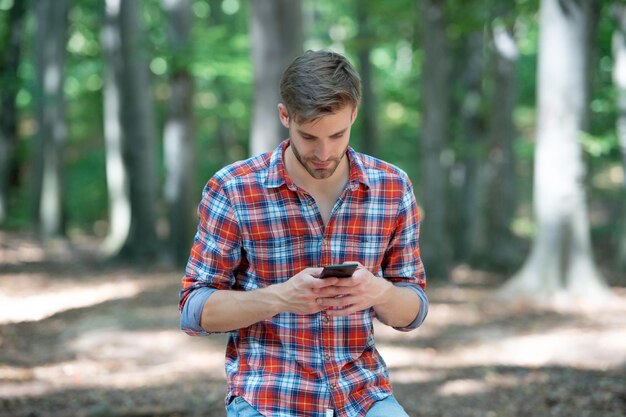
[79, 337]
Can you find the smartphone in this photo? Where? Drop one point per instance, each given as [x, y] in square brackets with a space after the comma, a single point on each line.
[339, 270]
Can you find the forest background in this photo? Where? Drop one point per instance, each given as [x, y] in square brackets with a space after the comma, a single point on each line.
[508, 116]
[151, 99]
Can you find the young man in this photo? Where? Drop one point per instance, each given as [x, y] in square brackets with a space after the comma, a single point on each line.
[300, 345]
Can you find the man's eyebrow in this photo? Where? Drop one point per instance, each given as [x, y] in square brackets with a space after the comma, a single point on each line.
[303, 133]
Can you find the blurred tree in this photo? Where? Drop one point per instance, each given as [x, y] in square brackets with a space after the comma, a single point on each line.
[226, 135]
[618, 12]
[502, 246]
[277, 37]
[129, 120]
[51, 40]
[560, 263]
[435, 240]
[10, 47]
[178, 133]
[116, 170]
[367, 112]
[469, 173]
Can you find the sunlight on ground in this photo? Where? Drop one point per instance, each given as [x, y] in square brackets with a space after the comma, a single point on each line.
[136, 344]
[578, 348]
[118, 359]
[39, 306]
[478, 332]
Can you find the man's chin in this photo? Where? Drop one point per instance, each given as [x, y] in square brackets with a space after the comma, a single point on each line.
[321, 174]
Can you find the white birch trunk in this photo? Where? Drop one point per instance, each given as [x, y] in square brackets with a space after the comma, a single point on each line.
[116, 171]
[277, 36]
[51, 40]
[560, 266]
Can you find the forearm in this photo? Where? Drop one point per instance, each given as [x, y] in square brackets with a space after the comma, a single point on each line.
[230, 310]
[399, 306]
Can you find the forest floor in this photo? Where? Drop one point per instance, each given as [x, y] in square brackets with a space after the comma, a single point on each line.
[79, 337]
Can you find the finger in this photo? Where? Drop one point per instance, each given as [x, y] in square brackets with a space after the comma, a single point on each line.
[332, 291]
[338, 301]
[341, 312]
[346, 282]
[314, 272]
[323, 283]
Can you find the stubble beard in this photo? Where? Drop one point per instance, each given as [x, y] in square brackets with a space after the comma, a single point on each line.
[317, 173]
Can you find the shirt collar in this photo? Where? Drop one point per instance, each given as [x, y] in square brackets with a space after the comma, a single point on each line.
[277, 174]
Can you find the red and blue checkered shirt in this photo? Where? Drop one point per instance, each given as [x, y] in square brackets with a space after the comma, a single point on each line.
[257, 228]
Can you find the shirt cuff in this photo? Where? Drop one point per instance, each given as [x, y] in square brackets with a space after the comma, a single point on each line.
[421, 315]
[192, 311]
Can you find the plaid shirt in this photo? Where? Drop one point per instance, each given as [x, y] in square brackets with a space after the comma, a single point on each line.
[257, 228]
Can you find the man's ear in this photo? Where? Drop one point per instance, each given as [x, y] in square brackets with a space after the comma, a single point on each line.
[283, 115]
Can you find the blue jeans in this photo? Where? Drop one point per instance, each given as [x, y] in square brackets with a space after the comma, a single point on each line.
[238, 407]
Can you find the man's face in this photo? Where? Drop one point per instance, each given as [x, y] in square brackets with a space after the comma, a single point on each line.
[320, 145]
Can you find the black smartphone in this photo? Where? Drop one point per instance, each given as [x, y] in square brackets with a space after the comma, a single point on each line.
[339, 270]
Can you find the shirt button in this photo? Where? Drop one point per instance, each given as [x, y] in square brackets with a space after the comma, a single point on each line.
[327, 357]
[333, 386]
[325, 319]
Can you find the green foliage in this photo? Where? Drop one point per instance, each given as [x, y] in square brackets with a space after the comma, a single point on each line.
[218, 57]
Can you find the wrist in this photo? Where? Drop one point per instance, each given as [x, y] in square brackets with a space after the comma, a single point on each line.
[273, 296]
[386, 289]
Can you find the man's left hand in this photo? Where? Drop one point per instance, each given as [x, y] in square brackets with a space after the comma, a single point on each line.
[359, 292]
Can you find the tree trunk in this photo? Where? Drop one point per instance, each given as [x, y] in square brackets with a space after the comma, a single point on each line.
[619, 80]
[226, 136]
[140, 134]
[560, 266]
[129, 136]
[116, 170]
[502, 201]
[435, 241]
[52, 129]
[277, 37]
[178, 135]
[468, 217]
[367, 113]
[9, 85]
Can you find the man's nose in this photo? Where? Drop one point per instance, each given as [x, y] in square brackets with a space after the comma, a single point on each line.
[323, 152]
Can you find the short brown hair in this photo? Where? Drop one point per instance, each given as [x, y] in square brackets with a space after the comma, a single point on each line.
[319, 83]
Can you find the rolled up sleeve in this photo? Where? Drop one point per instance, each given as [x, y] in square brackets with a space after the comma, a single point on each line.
[214, 257]
[423, 311]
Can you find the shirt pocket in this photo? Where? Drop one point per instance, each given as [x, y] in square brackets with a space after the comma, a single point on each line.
[275, 259]
[369, 250]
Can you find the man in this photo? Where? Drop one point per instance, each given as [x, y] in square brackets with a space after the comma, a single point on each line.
[300, 345]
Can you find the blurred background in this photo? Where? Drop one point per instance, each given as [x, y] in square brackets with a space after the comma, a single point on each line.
[116, 113]
[508, 115]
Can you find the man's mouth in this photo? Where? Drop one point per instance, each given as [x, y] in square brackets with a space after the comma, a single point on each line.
[320, 165]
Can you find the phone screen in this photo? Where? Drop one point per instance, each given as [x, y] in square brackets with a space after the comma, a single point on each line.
[339, 270]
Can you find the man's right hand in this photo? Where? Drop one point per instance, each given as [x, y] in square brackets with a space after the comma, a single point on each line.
[227, 310]
[300, 293]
